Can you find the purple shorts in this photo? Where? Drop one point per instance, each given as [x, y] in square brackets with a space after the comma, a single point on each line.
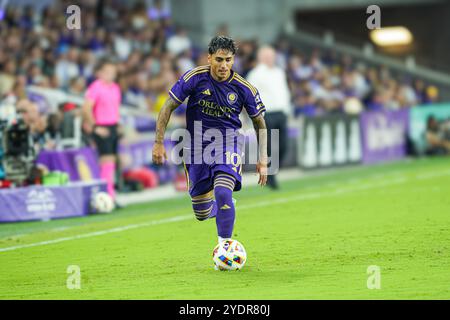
[201, 176]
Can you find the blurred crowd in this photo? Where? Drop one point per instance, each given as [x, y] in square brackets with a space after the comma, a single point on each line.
[38, 49]
[324, 82]
[151, 52]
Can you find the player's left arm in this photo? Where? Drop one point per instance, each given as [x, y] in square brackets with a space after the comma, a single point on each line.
[261, 135]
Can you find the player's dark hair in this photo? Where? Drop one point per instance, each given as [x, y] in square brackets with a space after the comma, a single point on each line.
[222, 43]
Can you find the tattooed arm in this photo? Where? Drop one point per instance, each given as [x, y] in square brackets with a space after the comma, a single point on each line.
[261, 135]
[159, 152]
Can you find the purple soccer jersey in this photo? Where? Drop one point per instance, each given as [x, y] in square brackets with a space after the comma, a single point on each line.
[216, 105]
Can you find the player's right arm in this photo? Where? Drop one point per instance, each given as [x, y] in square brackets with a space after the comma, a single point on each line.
[159, 152]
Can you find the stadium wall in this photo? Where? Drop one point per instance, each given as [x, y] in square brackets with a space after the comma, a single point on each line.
[262, 20]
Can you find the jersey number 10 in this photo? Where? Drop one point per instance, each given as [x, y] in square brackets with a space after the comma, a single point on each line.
[236, 160]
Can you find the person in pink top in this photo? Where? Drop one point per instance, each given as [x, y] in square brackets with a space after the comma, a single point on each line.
[101, 117]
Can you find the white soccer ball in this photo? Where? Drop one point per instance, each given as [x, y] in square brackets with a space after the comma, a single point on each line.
[102, 202]
[229, 255]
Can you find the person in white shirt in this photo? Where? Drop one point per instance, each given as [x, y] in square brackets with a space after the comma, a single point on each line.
[271, 82]
[67, 68]
[179, 42]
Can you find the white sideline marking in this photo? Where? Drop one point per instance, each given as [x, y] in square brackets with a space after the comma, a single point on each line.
[99, 233]
[316, 195]
[429, 175]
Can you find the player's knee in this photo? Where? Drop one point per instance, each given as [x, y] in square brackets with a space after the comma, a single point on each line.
[223, 195]
[223, 188]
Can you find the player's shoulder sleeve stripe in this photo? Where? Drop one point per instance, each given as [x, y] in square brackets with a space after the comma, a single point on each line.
[194, 70]
[174, 96]
[195, 73]
[189, 74]
[244, 82]
[258, 113]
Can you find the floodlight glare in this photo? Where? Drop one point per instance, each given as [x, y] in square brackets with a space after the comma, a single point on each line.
[391, 36]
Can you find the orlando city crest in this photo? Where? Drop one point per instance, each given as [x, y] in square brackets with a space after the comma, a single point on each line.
[231, 97]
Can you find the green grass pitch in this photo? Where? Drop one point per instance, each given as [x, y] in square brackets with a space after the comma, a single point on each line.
[313, 239]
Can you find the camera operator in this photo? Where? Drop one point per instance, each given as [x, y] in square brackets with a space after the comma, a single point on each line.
[18, 148]
[36, 123]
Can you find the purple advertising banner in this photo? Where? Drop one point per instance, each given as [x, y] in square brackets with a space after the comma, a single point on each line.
[384, 135]
[80, 164]
[44, 203]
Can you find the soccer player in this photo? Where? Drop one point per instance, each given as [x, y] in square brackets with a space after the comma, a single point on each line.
[101, 117]
[217, 95]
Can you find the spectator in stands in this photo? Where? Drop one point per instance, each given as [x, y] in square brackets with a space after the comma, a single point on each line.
[67, 67]
[378, 100]
[305, 103]
[159, 10]
[245, 59]
[328, 96]
[7, 76]
[437, 137]
[185, 62]
[8, 112]
[101, 119]
[77, 86]
[419, 87]
[431, 94]
[135, 91]
[300, 71]
[406, 96]
[282, 49]
[179, 42]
